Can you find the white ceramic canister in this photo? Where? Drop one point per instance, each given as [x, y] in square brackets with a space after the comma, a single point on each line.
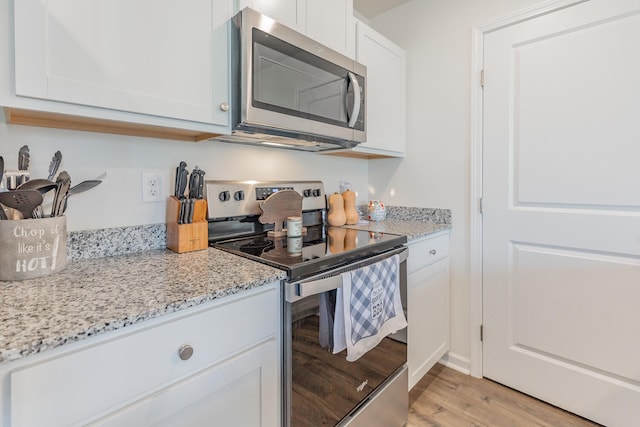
[294, 226]
[376, 211]
[294, 245]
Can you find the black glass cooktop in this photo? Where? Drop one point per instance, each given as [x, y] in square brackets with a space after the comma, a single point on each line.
[320, 249]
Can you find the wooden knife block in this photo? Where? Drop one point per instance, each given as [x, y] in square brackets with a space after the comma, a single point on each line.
[187, 237]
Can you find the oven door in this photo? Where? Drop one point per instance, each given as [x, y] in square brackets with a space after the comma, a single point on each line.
[322, 388]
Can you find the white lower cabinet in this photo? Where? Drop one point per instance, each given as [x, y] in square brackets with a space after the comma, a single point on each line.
[215, 364]
[428, 304]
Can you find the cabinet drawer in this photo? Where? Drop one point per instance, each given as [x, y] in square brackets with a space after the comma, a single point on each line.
[425, 252]
[73, 388]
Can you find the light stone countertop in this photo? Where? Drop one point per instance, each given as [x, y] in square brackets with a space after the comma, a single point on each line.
[415, 223]
[412, 229]
[90, 297]
[119, 277]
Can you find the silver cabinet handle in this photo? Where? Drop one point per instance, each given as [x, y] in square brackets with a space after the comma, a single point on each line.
[185, 352]
[224, 106]
[356, 100]
[432, 251]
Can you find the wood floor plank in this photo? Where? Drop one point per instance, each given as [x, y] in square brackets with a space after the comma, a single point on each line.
[447, 398]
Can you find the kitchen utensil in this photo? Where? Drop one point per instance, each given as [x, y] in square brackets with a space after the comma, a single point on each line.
[83, 186]
[55, 163]
[43, 186]
[3, 215]
[22, 175]
[194, 178]
[181, 180]
[190, 211]
[23, 158]
[40, 184]
[64, 183]
[24, 201]
[181, 212]
[79, 188]
[200, 187]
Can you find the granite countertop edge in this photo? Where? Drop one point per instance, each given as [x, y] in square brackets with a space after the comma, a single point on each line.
[92, 297]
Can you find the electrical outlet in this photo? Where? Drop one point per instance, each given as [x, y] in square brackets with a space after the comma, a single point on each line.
[152, 187]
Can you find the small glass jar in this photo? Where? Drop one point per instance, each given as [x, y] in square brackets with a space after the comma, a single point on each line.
[376, 211]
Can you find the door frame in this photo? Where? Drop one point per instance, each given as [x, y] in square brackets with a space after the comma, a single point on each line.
[475, 173]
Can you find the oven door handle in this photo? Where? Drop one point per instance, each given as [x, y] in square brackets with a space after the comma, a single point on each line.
[299, 290]
[307, 289]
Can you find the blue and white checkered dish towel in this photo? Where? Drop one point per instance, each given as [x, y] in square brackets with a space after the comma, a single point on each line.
[371, 307]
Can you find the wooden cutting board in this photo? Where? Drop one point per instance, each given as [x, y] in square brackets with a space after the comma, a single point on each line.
[278, 206]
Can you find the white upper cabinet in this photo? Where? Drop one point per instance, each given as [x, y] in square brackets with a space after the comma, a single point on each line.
[386, 93]
[163, 60]
[329, 22]
[291, 13]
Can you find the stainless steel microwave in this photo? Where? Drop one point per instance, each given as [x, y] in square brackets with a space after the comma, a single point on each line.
[289, 91]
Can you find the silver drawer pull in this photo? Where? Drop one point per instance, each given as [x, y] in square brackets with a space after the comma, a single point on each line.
[432, 251]
[224, 106]
[185, 352]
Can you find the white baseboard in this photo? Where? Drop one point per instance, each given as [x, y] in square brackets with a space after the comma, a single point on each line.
[457, 362]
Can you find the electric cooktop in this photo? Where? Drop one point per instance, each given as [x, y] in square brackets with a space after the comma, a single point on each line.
[321, 248]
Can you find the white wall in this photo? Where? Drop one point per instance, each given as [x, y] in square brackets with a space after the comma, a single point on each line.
[117, 201]
[435, 171]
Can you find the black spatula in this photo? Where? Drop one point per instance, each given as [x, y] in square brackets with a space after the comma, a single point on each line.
[24, 201]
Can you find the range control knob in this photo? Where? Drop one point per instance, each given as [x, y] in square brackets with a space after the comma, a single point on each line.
[238, 195]
[316, 192]
[307, 192]
[224, 196]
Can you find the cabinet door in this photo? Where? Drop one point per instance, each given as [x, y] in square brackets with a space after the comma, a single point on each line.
[330, 22]
[428, 312]
[291, 13]
[165, 59]
[242, 391]
[116, 370]
[385, 102]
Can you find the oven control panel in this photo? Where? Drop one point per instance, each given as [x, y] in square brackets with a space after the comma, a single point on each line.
[228, 199]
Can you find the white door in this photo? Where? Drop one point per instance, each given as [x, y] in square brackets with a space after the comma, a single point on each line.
[561, 201]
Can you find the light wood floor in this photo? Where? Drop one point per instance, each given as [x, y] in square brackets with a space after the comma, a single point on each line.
[447, 398]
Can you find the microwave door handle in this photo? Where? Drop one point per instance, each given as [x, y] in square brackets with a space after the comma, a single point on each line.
[353, 118]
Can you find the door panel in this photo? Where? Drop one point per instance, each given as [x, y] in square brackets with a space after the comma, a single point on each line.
[561, 221]
[568, 285]
[566, 86]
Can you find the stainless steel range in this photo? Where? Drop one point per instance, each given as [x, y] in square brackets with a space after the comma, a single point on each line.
[320, 387]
